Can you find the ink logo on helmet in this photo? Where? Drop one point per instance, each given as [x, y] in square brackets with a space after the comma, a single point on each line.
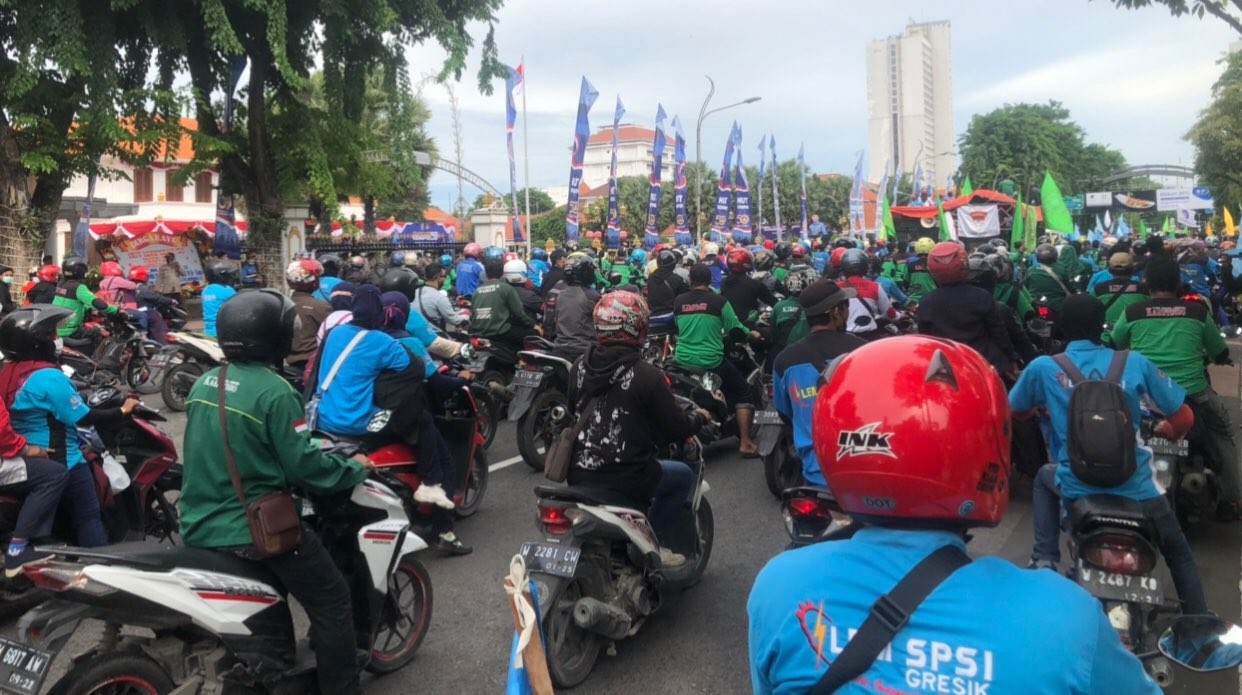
[865, 440]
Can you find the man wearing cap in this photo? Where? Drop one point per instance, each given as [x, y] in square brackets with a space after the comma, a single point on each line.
[1121, 289]
[795, 375]
[704, 319]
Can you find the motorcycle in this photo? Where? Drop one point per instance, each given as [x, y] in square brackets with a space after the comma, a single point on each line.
[459, 423]
[782, 466]
[187, 357]
[598, 573]
[540, 403]
[213, 622]
[702, 387]
[121, 357]
[1181, 474]
[1041, 329]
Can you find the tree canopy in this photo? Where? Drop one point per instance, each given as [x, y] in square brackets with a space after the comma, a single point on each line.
[1217, 137]
[1227, 11]
[1023, 141]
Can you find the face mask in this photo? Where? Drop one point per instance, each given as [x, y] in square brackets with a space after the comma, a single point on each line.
[8, 279]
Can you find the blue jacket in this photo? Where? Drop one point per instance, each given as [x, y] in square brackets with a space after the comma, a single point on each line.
[1043, 384]
[893, 290]
[469, 276]
[421, 338]
[795, 382]
[347, 406]
[537, 268]
[989, 628]
[718, 272]
[324, 292]
[819, 261]
[46, 410]
[213, 297]
[1098, 277]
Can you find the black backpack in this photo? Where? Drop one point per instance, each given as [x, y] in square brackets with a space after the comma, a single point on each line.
[1102, 445]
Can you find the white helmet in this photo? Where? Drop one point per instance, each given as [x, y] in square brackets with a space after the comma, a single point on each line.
[711, 248]
[515, 272]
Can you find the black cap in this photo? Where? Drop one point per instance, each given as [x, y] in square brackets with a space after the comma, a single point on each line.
[1082, 318]
[700, 275]
[823, 296]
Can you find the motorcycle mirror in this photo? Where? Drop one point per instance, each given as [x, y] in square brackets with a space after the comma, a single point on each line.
[467, 352]
[100, 396]
[1203, 643]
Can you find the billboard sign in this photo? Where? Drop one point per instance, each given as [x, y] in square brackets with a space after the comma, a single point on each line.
[1173, 199]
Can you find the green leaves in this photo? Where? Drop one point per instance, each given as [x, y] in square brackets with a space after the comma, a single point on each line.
[1217, 137]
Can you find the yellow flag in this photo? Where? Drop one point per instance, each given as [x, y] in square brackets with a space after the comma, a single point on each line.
[1207, 229]
[1229, 228]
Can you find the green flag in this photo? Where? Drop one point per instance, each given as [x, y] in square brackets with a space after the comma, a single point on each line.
[1016, 237]
[1164, 229]
[1030, 229]
[967, 189]
[888, 231]
[945, 234]
[1056, 215]
[1142, 229]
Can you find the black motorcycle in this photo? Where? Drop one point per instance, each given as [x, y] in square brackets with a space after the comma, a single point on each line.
[540, 403]
[782, 466]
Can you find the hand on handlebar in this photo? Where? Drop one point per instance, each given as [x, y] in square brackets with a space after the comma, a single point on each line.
[705, 414]
[365, 460]
[127, 408]
[37, 451]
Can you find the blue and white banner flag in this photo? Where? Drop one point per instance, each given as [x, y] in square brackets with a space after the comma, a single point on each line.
[582, 132]
[655, 189]
[513, 83]
[680, 219]
[743, 229]
[612, 234]
[776, 193]
[724, 191]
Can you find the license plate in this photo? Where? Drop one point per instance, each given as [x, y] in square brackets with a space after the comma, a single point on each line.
[1167, 447]
[557, 560]
[1121, 587]
[768, 417]
[22, 668]
[528, 378]
[159, 358]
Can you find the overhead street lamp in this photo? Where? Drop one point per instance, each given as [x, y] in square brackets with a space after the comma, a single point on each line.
[698, 146]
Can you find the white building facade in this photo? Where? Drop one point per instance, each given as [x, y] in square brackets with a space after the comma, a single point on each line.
[634, 152]
[910, 103]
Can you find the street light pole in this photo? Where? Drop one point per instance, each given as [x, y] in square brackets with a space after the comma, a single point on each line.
[698, 147]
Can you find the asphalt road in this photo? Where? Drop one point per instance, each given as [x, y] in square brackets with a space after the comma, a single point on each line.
[697, 643]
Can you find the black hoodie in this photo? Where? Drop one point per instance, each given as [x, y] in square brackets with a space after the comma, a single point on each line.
[616, 450]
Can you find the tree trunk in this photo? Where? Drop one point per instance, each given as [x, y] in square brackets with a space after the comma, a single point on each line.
[368, 214]
[22, 231]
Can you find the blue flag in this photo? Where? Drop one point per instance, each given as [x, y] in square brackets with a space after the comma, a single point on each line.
[582, 132]
[776, 197]
[680, 219]
[612, 236]
[743, 230]
[802, 174]
[724, 190]
[655, 188]
[83, 229]
[512, 83]
[763, 163]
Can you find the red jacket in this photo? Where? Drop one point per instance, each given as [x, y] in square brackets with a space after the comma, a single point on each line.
[12, 377]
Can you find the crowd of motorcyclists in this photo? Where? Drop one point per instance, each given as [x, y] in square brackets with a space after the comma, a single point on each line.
[824, 321]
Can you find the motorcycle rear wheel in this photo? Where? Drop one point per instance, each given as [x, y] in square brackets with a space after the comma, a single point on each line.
[487, 414]
[115, 673]
[175, 391]
[407, 604]
[535, 431]
[572, 651]
[140, 376]
[476, 487]
[781, 468]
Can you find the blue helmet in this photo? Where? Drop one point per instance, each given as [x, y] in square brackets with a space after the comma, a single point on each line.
[539, 255]
[494, 252]
[397, 259]
[446, 260]
[638, 257]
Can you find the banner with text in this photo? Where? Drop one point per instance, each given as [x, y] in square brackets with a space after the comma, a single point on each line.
[680, 219]
[582, 132]
[149, 250]
[724, 190]
[651, 232]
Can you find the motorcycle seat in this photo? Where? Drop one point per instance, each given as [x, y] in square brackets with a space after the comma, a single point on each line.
[538, 357]
[536, 342]
[684, 369]
[72, 342]
[1091, 512]
[583, 495]
[162, 558]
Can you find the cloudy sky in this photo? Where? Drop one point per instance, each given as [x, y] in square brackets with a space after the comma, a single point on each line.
[1135, 80]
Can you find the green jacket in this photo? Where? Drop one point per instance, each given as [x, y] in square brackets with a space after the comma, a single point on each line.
[75, 296]
[1015, 297]
[1043, 281]
[780, 272]
[1117, 294]
[496, 309]
[704, 318]
[788, 323]
[1176, 334]
[272, 449]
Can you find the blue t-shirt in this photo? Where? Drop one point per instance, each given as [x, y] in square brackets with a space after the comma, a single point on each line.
[819, 261]
[213, 297]
[416, 346]
[469, 275]
[1098, 277]
[537, 269]
[988, 628]
[893, 291]
[1044, 384]
[49, 392]
[347, 406]
[324, 292]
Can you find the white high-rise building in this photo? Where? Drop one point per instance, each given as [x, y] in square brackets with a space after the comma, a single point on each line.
[910, 103]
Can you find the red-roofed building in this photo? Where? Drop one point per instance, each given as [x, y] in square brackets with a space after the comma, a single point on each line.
[634, 152]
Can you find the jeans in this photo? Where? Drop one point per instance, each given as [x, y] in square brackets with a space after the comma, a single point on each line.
[1213, 426]
[81, 502]
[42, 489]
[1173, 544]
[670, 495]
[315, 581]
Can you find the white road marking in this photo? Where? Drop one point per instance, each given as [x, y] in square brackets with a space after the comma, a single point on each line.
[504, 464]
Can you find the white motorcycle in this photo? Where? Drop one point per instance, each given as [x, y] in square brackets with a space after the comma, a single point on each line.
[187, 357]
[215, 623]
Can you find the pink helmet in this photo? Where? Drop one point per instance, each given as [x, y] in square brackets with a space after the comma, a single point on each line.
[472, 250]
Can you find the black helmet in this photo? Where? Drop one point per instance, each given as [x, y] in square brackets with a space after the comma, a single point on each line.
[980, 272]
[1046, 254]
[221, 272]
[764, 260]
[986, 249]
[666, 259]
[1001, 266]
[30, 332]
[580, 271]
[403, 280]
[257, 326]
[854, 262]
[331, 265]
[73, 267]
[783, 250]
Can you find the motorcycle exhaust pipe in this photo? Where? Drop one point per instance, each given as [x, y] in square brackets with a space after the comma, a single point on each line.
[1194, 483]
[1161, 672]
[601, 618]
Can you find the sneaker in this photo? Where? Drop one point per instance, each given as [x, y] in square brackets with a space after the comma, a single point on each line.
[433, 494]
[1042, 565]
[670, 559]
[15, 561]
[450, 544]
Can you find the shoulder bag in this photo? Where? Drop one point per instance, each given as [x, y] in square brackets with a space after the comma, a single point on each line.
[312, 404]
[275, 525]
[561, 452]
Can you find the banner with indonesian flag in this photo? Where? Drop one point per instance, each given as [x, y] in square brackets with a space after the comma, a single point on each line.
[977, 221]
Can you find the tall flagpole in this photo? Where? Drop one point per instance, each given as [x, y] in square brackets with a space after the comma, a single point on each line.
[525, 156]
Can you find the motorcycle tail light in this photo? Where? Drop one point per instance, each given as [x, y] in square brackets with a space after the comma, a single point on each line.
[807, 518]
[555, 520]
[1044, 312]
[1118, 553]
[64, 576]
